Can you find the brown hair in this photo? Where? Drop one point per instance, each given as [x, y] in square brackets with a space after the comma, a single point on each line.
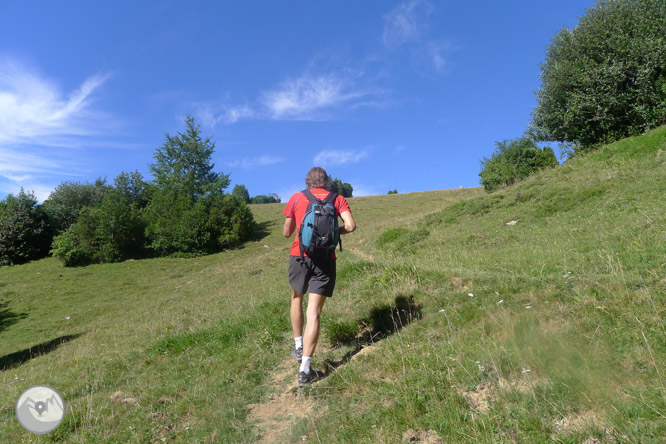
[316, 178]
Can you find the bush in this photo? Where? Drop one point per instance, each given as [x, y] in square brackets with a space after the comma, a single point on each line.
[23, 229]
[109, 232]
[513, 161]
[264, 199]
[605, 79]
[65, 203]
[344, 189]
[176, 225]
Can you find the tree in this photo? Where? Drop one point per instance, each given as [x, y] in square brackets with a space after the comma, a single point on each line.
[263, 199]
[183, 165]
[65, 203]
[111, 231]
[393, 192]
[605, 79]
[343, 189]
[514, 160]
[23, 229]
[189, 212]
[242, 192]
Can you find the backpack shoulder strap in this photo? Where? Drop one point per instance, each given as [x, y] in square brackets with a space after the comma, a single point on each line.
[331, 197]
[311, 197]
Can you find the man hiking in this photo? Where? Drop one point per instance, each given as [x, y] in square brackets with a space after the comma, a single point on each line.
[314, 271]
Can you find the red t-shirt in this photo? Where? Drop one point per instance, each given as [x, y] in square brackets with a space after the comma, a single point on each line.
[297, 205]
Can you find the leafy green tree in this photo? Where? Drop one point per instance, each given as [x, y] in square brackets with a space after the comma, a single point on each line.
[65, 203]
[605, 79]
[189, 213]
[23, 229]
[514, 160]
[343, 189]
[242, 192]
[110, 231]
[264, 199]
[183, 165]
[393, 192]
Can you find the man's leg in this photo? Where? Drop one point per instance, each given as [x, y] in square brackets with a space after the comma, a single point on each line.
[315, 304]
[296, 313]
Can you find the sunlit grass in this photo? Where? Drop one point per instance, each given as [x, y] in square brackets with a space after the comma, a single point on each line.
[533, 314]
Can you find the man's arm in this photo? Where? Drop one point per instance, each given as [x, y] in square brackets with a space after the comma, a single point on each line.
[348, 219]
[289, 227]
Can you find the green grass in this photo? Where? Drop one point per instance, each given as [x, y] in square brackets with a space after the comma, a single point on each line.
[562, 339]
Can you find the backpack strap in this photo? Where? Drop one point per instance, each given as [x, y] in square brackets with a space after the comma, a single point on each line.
[311, 197]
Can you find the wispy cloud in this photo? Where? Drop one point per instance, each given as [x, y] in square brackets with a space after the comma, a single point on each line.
[408, 25]
[334, 157]
[407, 22]
[255, 162]
[313, 96]
[36, 119]
[34, 110]
[211, 115]
[307, 97]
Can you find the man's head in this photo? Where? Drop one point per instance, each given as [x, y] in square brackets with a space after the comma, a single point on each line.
[316, 178]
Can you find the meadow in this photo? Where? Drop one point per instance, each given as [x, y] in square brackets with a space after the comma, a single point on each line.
[534, 314]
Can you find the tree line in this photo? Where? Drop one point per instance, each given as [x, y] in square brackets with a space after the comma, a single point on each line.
[184, 211]
[601, 81]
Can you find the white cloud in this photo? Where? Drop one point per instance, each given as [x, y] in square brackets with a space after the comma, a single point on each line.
[33, 109]
[37, 120]
[255, 162]
[307, 96]
[333, 157]
[436, 52]
[226, 114]
[407, 22]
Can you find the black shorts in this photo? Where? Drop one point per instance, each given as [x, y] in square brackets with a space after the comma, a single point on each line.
[318, 277]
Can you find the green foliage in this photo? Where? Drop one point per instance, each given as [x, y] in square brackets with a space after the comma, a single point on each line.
[392, 192]
[262, 199]
[605, 79]
[214, 222]
[189, 214]
[341, 332]
[242, 192]
[111, 231]
[68, 199]
[183, 164]
[343, 189]
[514, 160]
[23, 229]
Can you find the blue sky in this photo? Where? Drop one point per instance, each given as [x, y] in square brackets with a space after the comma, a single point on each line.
[383, 94]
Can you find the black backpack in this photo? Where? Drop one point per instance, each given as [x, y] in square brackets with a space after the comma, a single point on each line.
[318, 235]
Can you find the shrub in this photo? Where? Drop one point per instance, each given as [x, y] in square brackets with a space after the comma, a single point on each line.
[212, 223]
[65, 203]
[23, 229]
[263, 199]
[513, 161]
[109, 232]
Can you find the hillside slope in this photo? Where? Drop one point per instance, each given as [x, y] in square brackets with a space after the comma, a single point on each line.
[533, 314]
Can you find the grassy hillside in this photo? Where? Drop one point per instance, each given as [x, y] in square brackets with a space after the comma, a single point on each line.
[533, 314]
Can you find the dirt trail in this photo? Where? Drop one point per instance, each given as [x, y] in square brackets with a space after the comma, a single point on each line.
[284, 406]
